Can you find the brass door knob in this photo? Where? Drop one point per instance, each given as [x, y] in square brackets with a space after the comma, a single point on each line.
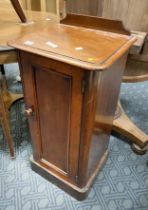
[29, 112]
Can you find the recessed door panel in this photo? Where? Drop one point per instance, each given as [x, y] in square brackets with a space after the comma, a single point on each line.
[53, 91]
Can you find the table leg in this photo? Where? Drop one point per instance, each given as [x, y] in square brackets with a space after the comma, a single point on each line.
[8, 97]
[6, 100]
[6, 129]
[123, 125]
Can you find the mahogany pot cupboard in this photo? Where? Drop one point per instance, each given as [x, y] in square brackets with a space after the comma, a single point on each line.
[71, 74]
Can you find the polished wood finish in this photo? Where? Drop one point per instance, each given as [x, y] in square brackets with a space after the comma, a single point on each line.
[95, 23]
[58, 87]
[100, 100]
[19, 11]
[70, 90]
[81, 52]
[60, 99]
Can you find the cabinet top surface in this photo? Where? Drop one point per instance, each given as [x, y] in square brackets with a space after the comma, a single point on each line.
[87, 48]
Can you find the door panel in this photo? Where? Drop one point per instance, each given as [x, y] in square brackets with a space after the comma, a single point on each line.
[53, 92]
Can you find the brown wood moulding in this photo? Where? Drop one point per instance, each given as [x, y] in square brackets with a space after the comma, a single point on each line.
[98, 23]
[71, 79]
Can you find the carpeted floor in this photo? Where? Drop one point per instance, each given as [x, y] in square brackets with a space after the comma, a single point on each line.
[122, 184]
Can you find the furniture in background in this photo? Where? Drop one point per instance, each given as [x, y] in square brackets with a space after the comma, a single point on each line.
[6, 98]
[7, 55]
[6, 101]
[134, 15]
[11, 28]
[136, 71]
[71, 95]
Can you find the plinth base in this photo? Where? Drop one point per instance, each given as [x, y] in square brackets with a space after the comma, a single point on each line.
[74, 190]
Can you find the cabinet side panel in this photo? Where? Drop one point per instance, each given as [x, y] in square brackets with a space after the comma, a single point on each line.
[54, 99]
[100, 101]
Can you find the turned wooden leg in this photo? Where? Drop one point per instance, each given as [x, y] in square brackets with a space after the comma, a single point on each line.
[6, 129]
[4, 118]
[8, 97]
[123, 125]
[6, 100]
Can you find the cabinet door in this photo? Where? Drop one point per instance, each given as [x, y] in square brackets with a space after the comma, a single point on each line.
[53, 91]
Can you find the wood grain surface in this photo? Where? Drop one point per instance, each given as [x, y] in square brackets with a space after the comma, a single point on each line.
[72, 98]
[84, 47]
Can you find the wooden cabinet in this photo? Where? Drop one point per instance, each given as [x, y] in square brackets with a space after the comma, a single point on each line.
[53, 93]
[70, 123]
[71, 89]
